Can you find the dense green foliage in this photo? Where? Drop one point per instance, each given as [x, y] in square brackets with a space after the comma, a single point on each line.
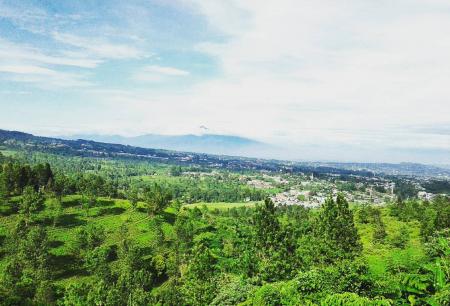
[97, 232]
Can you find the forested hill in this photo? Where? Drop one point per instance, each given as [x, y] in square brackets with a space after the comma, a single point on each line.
[20, 140]
[87, 148]
[23, 141]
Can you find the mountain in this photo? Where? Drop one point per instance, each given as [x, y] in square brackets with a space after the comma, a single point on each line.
[19, 141]
[207, 143]
[24, 142]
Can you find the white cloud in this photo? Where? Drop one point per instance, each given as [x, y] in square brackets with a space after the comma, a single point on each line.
[100, 47]
[21, 63]
[26, 69]
[155, 73]
[64, 58]
[13, 52]
[170, 71]
[43, 78]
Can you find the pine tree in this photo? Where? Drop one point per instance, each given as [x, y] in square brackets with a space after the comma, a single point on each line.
[338, 229]
[274, 244]
[266, 225]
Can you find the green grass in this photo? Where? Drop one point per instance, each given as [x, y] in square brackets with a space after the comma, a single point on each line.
[220, 205]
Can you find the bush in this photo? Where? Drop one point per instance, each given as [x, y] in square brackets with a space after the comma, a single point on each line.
[265, 295]
[233, 290]
[401, 238]
[352, 299]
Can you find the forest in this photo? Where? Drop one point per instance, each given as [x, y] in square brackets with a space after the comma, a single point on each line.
[104, 231]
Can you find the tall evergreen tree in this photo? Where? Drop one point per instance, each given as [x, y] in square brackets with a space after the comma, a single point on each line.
[274, 244]
[266, 225]
[338, 228]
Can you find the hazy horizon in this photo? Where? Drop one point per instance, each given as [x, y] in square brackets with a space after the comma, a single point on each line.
[320, 80]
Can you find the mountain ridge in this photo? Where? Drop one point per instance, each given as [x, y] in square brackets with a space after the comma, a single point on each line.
[89, 148]
[205, 143]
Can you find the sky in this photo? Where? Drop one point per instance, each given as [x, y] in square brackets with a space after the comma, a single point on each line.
[350, 80]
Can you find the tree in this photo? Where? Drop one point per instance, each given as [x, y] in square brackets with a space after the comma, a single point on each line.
[337, 227]
[267, 225]
[131, 278]
[95, 261]
[75, 294]
[26, 273]
[379, 234]
[348, 298]
[129, 254]
[55, 209]
[175, 171]
[428, 223]
[3, 189]
[274, 244]
[45, 294]
[91, 187]
[199, 282]
[32, 201]
[363, 213]
[442, 205]
[157, 199]
[401, 238]
[59, 186]
[132, 195]
[88, 238]
[43, 175]
[233, 290]
[90, 250]
[24, 177]
[34, 252]
[10, 178]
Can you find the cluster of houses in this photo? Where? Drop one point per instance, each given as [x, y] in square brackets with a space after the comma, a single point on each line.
[426, 196]
[296, 197]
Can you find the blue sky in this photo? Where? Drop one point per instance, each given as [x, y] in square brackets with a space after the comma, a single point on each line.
[325, 80]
